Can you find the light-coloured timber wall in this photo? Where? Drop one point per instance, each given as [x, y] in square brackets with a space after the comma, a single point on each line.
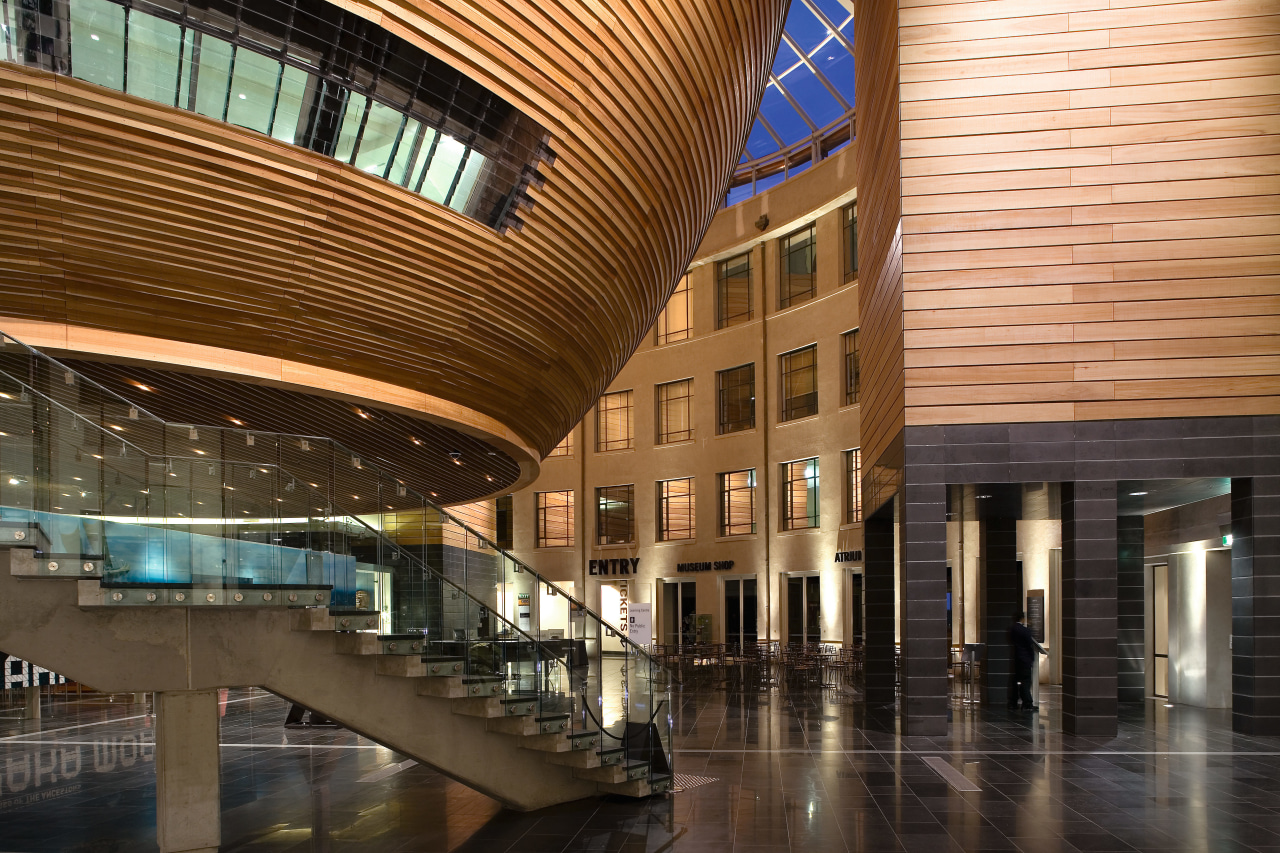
[122, 215]
[1090, 210]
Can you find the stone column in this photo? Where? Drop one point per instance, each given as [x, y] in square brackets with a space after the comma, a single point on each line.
[923, 608]
[1002, 597]
[1255, 605]
[879, 624]
[188, 809]
[1089, 608]
[32, 709]
[1131, 610]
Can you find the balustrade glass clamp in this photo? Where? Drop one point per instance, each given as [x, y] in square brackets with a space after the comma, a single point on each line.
[53, 565]
[19, 535]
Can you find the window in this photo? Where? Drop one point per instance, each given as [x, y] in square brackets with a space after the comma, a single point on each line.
[675, 510]
[737, 503]
[733, 291]
[853, 485]
[800, 383]
[614, 427]
[851, 242]
[675, 323]
[675, 411]
[615, 515]
[796, 279]
[555, 519]
[564, 448]
[800, 494]
[852, 369]
[736, 399]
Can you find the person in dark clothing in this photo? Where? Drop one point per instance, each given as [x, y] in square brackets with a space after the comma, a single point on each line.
[1024, 649]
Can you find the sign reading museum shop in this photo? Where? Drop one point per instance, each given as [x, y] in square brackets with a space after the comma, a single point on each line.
[716, 566]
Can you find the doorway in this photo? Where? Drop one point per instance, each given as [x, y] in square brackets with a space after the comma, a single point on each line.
[740, 614]
[679, 606]
[804, 609]
[856, 610]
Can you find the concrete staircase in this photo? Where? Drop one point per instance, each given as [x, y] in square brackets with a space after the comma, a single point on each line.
[517, 747]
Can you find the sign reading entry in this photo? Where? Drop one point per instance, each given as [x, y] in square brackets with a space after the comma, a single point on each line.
[620, 566]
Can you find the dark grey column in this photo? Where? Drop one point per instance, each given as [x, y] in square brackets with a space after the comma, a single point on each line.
[1001, 598]
[1255, 605]
[879, 625]
[1089, 608]
[1131, 601]
[923, 608]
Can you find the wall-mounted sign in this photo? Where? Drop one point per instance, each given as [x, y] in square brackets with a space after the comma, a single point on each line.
[1035, 613]
[640, 627]
[621, 566]
[717, 566]
[848, 556]
[624, 610]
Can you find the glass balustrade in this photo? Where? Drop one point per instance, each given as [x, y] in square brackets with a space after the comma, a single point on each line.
[221, 512]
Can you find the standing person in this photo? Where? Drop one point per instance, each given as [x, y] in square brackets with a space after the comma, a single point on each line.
[1025, 649]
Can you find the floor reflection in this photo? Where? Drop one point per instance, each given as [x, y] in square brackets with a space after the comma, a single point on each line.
[789, 771]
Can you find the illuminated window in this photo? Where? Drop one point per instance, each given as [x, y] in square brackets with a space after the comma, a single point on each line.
[853, 485]
[851, 242]
[615, 515]
[737, 503]
[798, 259]
[736, 399]
[564, 448]
[852, 369]
[555, 519]
[733, 291]
[675, 411]
[799, 370]
[800, 494]
[675, 323]
[615, 429]
[675, 509]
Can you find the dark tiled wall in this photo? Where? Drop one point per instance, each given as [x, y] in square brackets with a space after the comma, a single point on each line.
[1255, 605]
[1089, 608]
[1001, 598]
[881, 675]
[923, 608]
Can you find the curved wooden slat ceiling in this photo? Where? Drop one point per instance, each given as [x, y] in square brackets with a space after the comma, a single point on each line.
[120, 214]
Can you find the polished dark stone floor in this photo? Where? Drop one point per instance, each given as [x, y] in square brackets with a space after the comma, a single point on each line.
[793, 771]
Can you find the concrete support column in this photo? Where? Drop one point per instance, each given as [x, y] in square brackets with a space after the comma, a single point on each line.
[1002, 597]
[1089, 608]
[1131, 609]
[879, 624]
[32, 709]
[188, 808]
[923, 607]
[1255, 605]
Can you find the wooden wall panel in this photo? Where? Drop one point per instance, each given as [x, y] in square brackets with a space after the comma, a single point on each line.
[880, 241]
[1091, 209]
[123, 215]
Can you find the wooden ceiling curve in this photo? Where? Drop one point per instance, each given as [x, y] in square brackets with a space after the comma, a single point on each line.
[125, 215]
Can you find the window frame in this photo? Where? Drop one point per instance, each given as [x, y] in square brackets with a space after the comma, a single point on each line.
[663, 334]
[563, 450]
[853, 485]
[849, 229]
[812, 518]
[852, 367]
[788, 408]
[787, 295]
[723, 319]
[664, 531]
[605, 444]
[722, 390]
[541, 509]
[661, 407]
[724, 504]
[603, 527]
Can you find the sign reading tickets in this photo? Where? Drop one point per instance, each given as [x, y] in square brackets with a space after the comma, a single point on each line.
[640, 626]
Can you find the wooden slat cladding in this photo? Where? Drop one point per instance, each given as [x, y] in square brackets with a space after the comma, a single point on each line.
[1091, 209]
[124, 215]
[880, 240]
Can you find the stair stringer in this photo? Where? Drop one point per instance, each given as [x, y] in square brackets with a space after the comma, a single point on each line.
[165, 648]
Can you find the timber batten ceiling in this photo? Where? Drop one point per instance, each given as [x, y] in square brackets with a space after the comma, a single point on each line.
[121, 214]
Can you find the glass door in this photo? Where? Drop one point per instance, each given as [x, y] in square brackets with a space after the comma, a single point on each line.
[740, 625]
[679, 606]
[804, 609]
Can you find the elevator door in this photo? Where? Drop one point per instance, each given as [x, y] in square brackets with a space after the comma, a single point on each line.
[679, 604]
[1160, 629]
[804, 607]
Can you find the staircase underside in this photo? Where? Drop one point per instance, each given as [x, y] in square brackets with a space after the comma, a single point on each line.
[296, 654]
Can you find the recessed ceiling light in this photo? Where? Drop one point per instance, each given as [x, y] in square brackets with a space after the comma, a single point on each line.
[94, 36]
[1136, 494]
